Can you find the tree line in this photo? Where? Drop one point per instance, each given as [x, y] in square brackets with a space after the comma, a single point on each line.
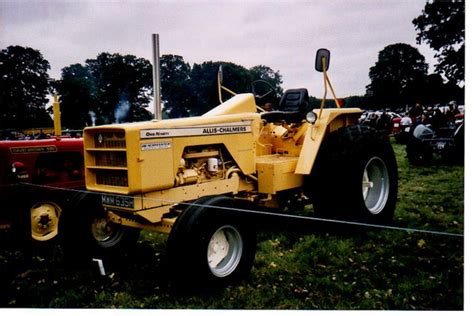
[118, 88]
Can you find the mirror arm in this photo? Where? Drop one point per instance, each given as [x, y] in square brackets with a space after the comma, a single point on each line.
[325, 87]
[332, 90]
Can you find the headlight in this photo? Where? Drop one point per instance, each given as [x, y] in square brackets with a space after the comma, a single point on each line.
[311, 117]
[17, 166]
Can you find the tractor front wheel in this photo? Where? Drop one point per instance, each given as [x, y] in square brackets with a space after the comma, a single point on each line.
[108, 235]
[90, 234]
[210, 245]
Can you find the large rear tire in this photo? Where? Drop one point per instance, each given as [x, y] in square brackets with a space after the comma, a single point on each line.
[211, 247]
[355, 176]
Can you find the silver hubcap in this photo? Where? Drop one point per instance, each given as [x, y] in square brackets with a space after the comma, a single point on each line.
[375, 185]
[224, 251]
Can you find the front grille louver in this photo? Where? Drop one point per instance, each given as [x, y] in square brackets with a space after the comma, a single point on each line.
[109, 163]
[111, 159]
[109, 140]
[112, 177]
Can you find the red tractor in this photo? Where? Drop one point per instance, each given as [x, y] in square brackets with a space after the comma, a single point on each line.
[43, 163]
[36, 178]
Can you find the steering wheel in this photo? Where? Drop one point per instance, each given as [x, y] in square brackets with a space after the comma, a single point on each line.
[266, 87]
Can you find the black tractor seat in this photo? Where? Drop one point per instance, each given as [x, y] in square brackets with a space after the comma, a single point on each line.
[292, 108]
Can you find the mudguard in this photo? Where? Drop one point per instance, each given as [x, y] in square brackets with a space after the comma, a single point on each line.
[329, 121]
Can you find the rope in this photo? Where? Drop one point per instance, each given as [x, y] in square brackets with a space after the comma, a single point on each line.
[279, 215]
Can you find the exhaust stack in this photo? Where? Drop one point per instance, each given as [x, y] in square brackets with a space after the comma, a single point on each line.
[156, 76]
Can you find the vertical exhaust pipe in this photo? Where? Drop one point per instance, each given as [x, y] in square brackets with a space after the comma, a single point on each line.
[156, 76]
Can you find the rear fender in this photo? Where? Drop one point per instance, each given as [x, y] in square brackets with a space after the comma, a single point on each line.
[330, 120]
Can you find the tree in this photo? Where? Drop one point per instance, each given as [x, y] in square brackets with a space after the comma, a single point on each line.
[24, 86]
[397, 76]
[111, 88]
[204, 83]
[356, 101]
[124, 87]
[442, 26]
[235, 77]
[266, 73]
[78, 96]
[175, 86]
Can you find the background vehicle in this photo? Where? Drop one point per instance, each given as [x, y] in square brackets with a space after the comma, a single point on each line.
[30, 170]
[372, 119]
[423, 142]
[192, 177]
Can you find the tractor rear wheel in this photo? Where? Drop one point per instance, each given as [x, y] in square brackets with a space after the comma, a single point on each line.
[44, 219]
[354, 176]
[211, 246]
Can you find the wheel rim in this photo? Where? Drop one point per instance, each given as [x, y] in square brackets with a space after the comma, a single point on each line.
[375, 185]
[224, 251]
[44, 220]
[105, 232]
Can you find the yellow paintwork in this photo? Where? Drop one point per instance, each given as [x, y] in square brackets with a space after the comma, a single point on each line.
[277, 173]
[154, 170]
[328, 121]
[57, 117]
[233, 185]
[44, 217]
[164, 226]
[241, 103]
[268, 158]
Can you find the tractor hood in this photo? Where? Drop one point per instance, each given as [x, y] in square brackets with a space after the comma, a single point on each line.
[145, 156]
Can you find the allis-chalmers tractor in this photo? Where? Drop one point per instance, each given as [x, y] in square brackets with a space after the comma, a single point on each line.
[192, 177]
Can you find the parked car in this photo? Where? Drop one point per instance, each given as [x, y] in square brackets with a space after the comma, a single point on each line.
[371, 118]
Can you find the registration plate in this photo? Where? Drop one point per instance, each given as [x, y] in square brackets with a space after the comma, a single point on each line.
[118, 201]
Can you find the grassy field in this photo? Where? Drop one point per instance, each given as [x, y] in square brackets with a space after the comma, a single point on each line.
[366, 269]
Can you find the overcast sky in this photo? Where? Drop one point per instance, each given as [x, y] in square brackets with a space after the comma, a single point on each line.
[283, 35]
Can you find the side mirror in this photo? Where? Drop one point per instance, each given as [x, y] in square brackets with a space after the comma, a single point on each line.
[320, 54]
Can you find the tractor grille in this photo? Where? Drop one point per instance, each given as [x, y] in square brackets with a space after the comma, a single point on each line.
[117, 178]
[111, 158]
[108, 158]
[110, 140]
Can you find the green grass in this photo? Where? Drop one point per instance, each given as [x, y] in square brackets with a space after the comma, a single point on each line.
[374, 269]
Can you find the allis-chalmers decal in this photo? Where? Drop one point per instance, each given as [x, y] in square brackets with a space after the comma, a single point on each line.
[230, 128]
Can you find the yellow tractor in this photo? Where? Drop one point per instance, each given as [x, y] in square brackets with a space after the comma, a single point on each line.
[189, 177]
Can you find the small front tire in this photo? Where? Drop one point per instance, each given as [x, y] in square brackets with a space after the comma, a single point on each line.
[89, 233]
[108, 235]
[210, 245]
